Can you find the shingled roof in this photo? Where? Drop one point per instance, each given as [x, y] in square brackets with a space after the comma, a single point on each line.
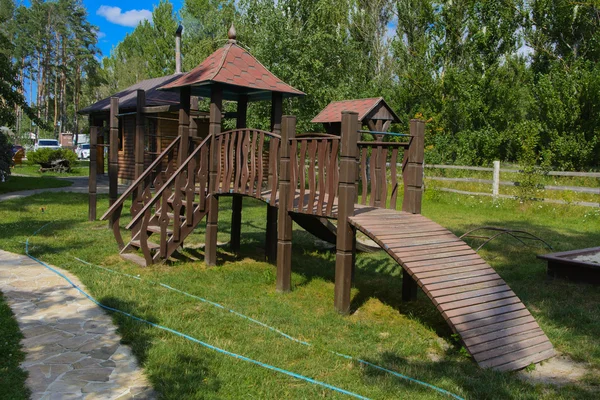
[239, 73]
[128, 97]
[364, 107]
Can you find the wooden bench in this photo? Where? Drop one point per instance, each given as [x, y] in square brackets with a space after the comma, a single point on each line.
[17, 159]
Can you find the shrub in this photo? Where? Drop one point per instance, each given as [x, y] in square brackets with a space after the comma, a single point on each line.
[5, 157]
[43, 156]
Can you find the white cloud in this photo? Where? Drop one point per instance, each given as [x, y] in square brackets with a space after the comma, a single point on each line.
[100, 34]
[128, 18]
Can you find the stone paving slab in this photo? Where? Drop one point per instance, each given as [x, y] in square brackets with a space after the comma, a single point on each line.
[72, 348]
[80, 185]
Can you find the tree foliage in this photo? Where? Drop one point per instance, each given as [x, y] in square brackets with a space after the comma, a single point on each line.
[490, 77]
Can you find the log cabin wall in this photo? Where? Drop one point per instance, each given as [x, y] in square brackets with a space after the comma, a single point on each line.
[126, 154]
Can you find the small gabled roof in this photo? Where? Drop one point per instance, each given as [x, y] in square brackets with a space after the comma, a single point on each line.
[128, 97]
[239, 73]
[372, 108]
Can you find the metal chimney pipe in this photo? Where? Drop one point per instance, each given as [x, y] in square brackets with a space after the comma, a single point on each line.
[178, 49]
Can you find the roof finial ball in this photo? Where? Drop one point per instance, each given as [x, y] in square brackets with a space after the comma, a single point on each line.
[232, 34]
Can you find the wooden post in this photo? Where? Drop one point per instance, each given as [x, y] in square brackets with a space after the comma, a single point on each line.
[496, 181]
[284, 230]
[193, 115]
[345, 232]
[92, 186]
[271, 235]
[113, 151]
[236, 206]
[216, 106]
[140, 131]
[412, 173]
[184, 124]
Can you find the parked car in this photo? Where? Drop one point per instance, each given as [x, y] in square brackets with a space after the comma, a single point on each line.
[83, 151]
[16, 148]
[47, 144]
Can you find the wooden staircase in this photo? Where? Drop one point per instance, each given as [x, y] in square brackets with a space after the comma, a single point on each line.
[168, 202]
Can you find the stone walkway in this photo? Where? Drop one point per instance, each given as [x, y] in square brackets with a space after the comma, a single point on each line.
[72, 348]
[80, 185]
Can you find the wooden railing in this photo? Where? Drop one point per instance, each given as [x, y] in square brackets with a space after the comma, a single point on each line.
[141, 190]
[378, 172]
[248, 163]
[314, 173]
[186, 187]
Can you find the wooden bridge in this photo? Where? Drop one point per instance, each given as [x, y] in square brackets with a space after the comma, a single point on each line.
[338, 178]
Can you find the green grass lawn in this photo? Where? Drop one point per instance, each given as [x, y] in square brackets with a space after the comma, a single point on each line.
[80, 168]
[12, 378]
[411, 338]
[18, 183]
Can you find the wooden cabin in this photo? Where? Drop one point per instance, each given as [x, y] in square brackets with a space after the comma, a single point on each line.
[160, 111]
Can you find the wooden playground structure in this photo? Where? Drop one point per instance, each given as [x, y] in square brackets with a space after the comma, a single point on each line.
[312, 178]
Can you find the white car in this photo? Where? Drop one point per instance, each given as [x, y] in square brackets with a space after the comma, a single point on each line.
[47, 144]
[83, 151]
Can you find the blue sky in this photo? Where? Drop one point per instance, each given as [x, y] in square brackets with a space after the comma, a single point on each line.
[116, 18]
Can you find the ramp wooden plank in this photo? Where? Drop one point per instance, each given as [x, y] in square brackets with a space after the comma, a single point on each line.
[494, 324]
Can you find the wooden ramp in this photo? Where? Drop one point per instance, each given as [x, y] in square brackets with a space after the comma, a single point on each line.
[494, 325]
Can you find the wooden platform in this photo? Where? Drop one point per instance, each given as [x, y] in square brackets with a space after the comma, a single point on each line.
[494, 325]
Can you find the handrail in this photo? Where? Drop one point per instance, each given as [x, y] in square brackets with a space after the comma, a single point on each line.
[140, 179]
[384, 144]
[167, 184]
[249, 129]
[310, 135]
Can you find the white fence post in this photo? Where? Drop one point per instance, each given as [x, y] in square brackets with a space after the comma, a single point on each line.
[496, 183]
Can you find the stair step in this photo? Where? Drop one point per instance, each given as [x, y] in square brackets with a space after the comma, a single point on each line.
[134, 258]
[183, 202]
[151, 245]
[172, 215]
[156, 229]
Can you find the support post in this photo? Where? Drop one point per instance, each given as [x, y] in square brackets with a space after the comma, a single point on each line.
[496, 182]
[236, 206]
[140, 131]
[284, 229]
[193, 122]
[92, 181]
[184, 124]
[412, 173]
[113, 151]
[216, 106]
[271, 235]
[409, 287]
[344, 257]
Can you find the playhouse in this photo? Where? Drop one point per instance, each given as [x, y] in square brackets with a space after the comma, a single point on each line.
[348, 175]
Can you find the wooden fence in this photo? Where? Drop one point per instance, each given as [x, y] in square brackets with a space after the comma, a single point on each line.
[496, 182]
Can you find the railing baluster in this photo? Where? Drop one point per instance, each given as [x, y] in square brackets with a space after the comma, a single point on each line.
[219, 148]
[301, 175]
[294, 172]
[251, 190]
[383, 177]
[394, 178]
[363, 176]
[275, 168]
[331, 175]
[259, 155]
[203, 176]
[312, 150]
[190, 192]
[373, 178]
[322, 150]
[238, 161]
[244, 162]
[229, 167]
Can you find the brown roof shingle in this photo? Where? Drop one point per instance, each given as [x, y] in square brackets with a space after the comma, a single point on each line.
[333, 111]
[232, 65]
[128, 97]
